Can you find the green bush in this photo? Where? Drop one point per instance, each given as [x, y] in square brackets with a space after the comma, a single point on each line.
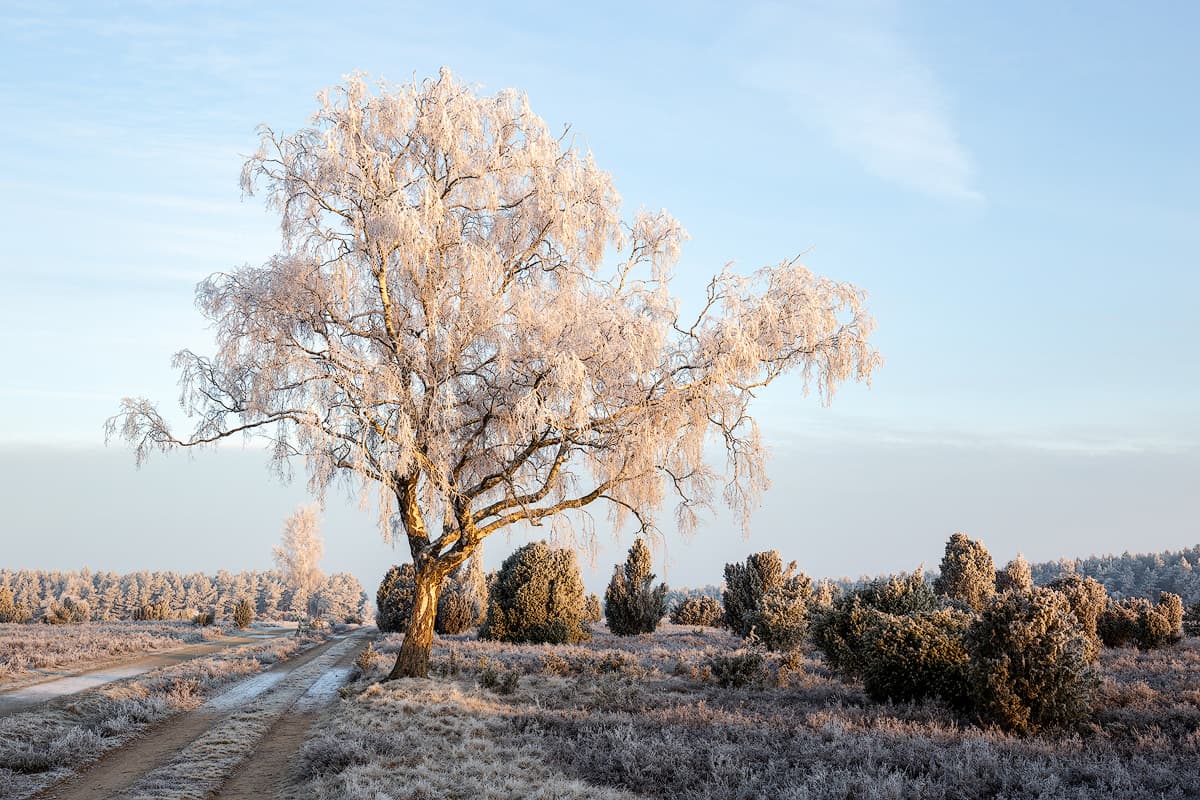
[840, 631]
[1117, 624]
[367, 660]
[456, 613]
[463, 600]
[1029, 665]
[765, 597]
[67, 610]
[702, 611]
[917, 657]
[906, 593]
[1153, 629]
[1161, 624]
[782, 621]
[1088, 600]
[632, 604]
[395, 597]
[1170, 607]
[593, 609]
[204, 618]
[243, 613]
[537, 597]
[737, 669]
[1191, 621]
[1136, 621]
[498, 679]
[967, 572]
[10, 610]
[152, 612]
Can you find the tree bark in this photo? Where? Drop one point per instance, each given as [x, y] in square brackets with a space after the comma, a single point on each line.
[413, 659]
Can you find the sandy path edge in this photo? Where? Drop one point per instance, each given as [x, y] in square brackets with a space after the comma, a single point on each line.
[272, 768]
[22, 694]
[123, 766]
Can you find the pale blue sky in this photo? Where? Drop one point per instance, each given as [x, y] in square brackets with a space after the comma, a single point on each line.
[1014, 185]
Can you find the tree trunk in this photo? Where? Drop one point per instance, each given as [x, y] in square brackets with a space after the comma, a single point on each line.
[413, 659]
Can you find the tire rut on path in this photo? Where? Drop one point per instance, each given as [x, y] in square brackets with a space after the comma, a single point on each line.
[124, 767]
[67, 683]
[273, 766]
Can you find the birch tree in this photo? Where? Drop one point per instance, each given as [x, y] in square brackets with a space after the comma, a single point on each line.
[299, 554]
[460, 323]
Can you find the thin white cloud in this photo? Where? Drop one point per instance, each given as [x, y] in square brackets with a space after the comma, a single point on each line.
[1078, 439]
[845, 69]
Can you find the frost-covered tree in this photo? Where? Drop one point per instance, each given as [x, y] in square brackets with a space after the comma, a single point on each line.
[341, 597]
[463, 602]
[10, 609]
[67, 610]
[394, 599]
[299, 554]
[537, 597]
[270, 593]
[1017, 576]
[460, 322]
[767, 598]
[243, 613]
[968, 572]
[632, 604]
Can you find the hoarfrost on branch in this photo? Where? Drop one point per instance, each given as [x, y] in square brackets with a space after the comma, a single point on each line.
[460, 321]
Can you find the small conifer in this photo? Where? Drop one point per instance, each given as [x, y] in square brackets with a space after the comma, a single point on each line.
[632, 604]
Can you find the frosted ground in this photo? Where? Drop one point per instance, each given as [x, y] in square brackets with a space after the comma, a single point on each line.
[644, 717]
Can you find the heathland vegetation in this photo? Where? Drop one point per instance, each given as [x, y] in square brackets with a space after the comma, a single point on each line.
[950, 686]
[460, 323]
[986, 643]
[970, 684]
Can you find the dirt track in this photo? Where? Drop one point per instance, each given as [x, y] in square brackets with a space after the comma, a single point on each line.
[67, 682]
[249, 732]
[271, 770]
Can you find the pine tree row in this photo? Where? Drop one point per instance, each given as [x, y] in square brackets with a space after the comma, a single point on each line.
[51, 595]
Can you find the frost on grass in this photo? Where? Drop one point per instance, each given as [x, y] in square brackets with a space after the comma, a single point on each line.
[206, 763]
[395, 739]
[43, 746]
[646, 716]
[25, 650]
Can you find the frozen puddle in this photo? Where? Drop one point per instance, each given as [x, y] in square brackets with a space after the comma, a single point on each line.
[25, 697]
[48, 690]
[320, 692]
[244, 692]
[200, 768]
[323, 690]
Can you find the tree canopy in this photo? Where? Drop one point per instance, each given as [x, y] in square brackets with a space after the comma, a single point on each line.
[460, 319]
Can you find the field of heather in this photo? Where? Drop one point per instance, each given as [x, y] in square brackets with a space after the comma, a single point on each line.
[338, 338]
[46, 744]
[31, 652]
[644, 716]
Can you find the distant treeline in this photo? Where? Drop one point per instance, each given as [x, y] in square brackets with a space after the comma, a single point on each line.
[1124, 576]
[677, 596]
[171, 595]
[1134, 574]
